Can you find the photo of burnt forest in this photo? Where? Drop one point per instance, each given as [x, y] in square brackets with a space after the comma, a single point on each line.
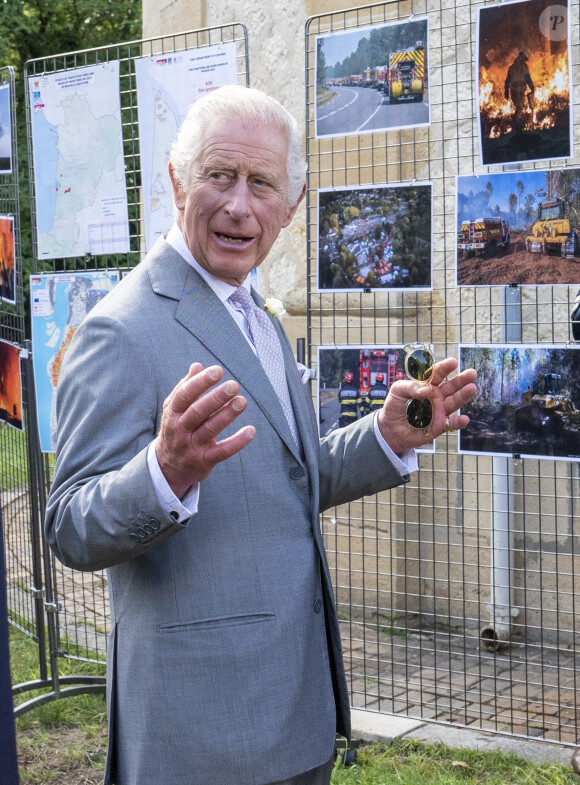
[524, 82]
[375, 238]
[519, 228]
[527, 403]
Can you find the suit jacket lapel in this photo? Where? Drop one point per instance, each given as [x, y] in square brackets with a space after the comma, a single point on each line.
[202, 313]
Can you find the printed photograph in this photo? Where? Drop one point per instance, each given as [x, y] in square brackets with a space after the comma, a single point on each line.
[10, 385]
[524, 84]
[353, 381]
[5, 130]
[376, 237]
[527, 403]
[519, 228]
[7, 269]
[372, 79]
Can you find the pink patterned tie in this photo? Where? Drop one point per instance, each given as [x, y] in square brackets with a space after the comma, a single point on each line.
[268, 350]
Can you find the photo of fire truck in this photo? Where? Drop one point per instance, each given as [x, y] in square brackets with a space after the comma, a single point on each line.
[406, 78]
[484, 236]
[373, 361]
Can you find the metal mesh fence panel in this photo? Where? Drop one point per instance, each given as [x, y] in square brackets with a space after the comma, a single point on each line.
[22, 563]
[418, 570]
[81, 599]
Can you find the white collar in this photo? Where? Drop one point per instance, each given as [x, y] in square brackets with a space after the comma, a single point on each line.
[221, 288]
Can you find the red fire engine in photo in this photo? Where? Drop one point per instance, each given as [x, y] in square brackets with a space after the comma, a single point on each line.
[483, 236]
[406, 74]
[373, 361]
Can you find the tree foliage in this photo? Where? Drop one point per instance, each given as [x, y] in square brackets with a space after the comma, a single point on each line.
[31, 29]
[37, 28]
[376, 49]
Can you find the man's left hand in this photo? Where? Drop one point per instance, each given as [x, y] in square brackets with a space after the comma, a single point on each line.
[446, 397]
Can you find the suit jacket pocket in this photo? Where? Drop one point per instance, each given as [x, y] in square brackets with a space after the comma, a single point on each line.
[217, 622]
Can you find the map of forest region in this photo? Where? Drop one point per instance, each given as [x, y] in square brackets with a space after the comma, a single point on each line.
[60, 301]
[79, 172]
[166, 86]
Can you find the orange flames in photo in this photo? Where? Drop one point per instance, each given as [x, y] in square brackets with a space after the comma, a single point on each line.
[546, 107]
[10, 385]
[7, 282]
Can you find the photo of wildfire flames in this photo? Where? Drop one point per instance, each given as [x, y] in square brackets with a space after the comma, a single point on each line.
[524, 82]
[10, 385]
[7, 274]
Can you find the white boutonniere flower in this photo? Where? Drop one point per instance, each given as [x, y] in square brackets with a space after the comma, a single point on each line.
[274, 307]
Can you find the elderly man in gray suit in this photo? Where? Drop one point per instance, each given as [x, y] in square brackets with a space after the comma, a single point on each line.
[195, 474]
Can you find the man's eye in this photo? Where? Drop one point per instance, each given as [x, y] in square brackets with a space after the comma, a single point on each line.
[217, 175]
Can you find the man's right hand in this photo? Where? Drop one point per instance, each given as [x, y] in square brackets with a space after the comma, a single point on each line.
[193, 417]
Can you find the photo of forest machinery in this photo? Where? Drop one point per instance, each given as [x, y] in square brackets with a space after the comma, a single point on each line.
[484, 236]
[552, 233]
[373, 361]
[545, 407]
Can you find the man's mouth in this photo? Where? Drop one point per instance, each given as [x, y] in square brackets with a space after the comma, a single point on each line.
[231, 240]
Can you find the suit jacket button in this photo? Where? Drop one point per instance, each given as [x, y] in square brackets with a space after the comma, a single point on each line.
[317, 606]
[296, 472]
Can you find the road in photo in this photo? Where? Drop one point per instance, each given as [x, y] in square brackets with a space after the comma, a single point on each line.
[362, 110]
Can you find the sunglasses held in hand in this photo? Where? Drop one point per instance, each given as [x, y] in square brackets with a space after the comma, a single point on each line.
[419, 366]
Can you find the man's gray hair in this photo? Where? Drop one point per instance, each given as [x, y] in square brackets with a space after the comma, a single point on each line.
[246, 106]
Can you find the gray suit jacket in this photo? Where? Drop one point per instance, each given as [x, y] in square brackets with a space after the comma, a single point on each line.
[225, 662]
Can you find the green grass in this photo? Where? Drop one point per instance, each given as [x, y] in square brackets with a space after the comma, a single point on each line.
[64, 743]
[78, 710]
[13, 458]
[409, 762]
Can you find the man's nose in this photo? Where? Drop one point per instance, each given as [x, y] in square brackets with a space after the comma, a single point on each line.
[238, 203]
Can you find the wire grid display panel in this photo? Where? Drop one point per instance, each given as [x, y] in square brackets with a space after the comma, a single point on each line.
[83, 617]
[413, 568]
[14, 478]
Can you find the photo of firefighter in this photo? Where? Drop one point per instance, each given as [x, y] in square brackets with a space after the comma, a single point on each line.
[353, 381]
[10, 385]
[527, 403]
[372, 79]
[524, 85]
[7, 272]
[525, 225]
[376, 237]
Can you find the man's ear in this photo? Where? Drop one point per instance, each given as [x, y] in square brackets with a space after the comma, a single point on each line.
[178, 193]
[291, 211]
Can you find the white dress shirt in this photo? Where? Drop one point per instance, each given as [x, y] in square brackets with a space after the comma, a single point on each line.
[182, 509]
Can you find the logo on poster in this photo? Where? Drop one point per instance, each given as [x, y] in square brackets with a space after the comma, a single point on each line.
[554, 22]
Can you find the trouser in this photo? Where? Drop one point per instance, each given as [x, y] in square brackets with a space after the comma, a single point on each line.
[318, 776]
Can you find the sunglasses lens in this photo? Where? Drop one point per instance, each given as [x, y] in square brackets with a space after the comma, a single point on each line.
[420, 365]
[419, 413]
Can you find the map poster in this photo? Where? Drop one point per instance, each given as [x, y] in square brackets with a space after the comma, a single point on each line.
[347, 374]
[524, 81]
[375, 237]
[527, 401]
[79, 169]
[10, 385]
[59, 303]
[5, 130]
[166, 86]
[7, 268]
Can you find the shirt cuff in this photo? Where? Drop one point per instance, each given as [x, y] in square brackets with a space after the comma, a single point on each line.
[180, 510]
[405, 462]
